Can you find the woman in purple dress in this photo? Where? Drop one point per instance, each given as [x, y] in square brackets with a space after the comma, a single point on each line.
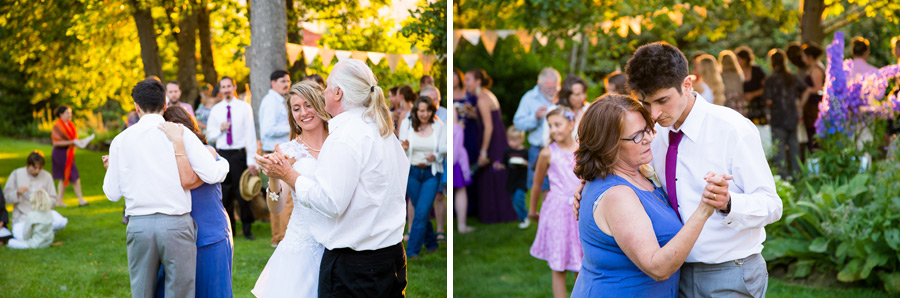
[494, 203]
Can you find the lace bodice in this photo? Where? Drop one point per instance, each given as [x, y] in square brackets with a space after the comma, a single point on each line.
[298, 237]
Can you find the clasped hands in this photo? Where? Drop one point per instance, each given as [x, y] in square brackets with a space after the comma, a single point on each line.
[276, 164]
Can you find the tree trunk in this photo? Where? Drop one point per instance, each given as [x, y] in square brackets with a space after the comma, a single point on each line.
[584, 52]
[811, 22]
[267, 52]
[210, 76]
[147, 36]
[187, 59]
[298, 70]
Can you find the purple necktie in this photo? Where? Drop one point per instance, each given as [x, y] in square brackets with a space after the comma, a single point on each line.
[228, 133]
[671, 162]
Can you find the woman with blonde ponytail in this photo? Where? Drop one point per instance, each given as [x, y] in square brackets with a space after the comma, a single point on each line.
[357, 190]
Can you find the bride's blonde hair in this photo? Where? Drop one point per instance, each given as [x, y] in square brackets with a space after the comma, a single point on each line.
[361, 89]
[311, 92]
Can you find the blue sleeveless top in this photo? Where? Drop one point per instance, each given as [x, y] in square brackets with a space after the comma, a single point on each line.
[209, 214]
[606, 271]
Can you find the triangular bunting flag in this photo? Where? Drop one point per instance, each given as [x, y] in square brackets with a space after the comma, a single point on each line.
[427, 62]
[561, 42]
[393, 59]
[327, 55]
[606, 26]
[310, 53]
[375, 57]
[342, 55]
[361, 56]
[472, 35]
[505, 33]
[525, 39]
[456, 35]
[636, 25]
[577, 37]
[410, 60]
[542, 39]
[623, 26]
[489, 37]
[293, 50]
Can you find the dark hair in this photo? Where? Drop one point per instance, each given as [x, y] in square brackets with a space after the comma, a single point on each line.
[654, 67]
[408, 94]
[226, 78]
[566, 91]
[422, 80]
[60, 110]
[618, 79]
[414, 117]
[173, 83]
[394, 90]
[316, 78]
[35, 159]
[860, 46]
[777, 59]
[460, 77]
[813, 50]
[744, 52]
[276, 75]
[794, 54]
[480, 74]
[215, 91]
[177, 114]
[150, 95]
[152, 77]
[600, 134]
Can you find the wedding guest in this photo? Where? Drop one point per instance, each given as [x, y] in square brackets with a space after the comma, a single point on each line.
[783, 90]
[615, 83]
[173, 93]
[462, 175]
[809, 100]
[420, 138]
[466, 105]
[357, 190]
[315, 78]
[709, 73]
[434, 94]
[754, 80]
[733, 80]
[274, 129]
[22, 185]
[893, 125]
[494, 203]
[207, 100]
[407, 96]
[515, 161]
[572, 95]
[634, 243]
[64, 136]
[860, 50]
[37, 228]
[426, 81]
[160, 230]
[231, 125]
[440, 202]
[530, 115]
[557, 240]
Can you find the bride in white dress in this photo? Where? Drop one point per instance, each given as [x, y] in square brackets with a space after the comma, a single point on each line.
[293, 269]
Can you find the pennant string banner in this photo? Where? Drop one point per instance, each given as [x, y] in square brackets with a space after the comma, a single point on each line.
[328, 55]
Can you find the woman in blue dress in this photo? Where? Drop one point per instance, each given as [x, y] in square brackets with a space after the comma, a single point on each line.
[214, 239]
[634, 244]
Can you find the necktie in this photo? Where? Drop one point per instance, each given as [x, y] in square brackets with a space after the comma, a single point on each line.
[228, 133]
[671, 162]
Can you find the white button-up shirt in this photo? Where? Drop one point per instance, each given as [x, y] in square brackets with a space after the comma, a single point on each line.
[274, 127]
[142, 169]
[243, 130]
[359, 186]
[720, 140]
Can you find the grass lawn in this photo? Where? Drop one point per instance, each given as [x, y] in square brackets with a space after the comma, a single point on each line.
[92, 262]
[493, 261]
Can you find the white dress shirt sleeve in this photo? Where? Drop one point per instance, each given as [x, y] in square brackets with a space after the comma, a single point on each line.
[268, 119]
[330, 191]
[403, 131]
[250, 132]
[111, 180]
[759, 203]
[11, 191]
[204, 164]
[214, 125]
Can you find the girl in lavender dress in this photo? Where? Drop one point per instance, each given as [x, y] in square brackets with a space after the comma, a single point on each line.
[557, 239]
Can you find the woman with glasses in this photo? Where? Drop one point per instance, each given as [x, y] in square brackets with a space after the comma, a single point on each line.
[634, 244]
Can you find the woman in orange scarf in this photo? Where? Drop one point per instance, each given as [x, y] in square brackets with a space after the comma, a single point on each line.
[63, 156]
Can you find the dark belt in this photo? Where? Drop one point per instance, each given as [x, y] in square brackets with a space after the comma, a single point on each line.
[232, 150]
[350, 251]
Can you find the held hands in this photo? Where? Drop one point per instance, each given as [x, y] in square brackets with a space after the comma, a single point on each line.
[105, 159]
[275, 164]
[716, 194]
[173, 131]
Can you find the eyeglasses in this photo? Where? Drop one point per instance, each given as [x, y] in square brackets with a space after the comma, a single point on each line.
[637, 138]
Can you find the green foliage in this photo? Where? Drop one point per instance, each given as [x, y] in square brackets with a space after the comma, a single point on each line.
[428, 26]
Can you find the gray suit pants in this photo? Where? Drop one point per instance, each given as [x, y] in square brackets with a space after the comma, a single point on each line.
[157, 239]
[745, 277]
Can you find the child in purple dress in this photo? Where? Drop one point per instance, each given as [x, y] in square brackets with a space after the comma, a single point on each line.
[557, 239]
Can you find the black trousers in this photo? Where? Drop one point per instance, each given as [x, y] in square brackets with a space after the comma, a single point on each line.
[371, 273]
[231, 189]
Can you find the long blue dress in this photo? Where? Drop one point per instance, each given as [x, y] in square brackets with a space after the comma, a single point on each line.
[215, 246]
[606, 271]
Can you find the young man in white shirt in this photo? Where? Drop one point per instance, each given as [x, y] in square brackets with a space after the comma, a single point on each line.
[698, 150]
[275, 129]
[231, 126]
[20, 186]
[142, 167]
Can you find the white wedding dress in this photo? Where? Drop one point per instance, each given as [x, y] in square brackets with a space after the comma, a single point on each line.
[293, 269]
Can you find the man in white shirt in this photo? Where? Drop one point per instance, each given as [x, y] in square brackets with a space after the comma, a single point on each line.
[697, 144]
[275, 129]
[20, 186]
[860, 51]
[142, 168]
[359, 190]
[231, 125]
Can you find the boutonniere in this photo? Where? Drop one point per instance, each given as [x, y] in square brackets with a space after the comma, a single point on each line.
[650, 173]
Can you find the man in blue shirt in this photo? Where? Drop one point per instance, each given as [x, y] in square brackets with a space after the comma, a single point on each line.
[530, 117]
[274, 129]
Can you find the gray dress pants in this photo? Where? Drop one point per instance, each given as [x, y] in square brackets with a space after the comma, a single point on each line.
[157, 239]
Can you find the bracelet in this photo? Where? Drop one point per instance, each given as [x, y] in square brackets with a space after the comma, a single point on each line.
[176, 154]
[273, 196]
